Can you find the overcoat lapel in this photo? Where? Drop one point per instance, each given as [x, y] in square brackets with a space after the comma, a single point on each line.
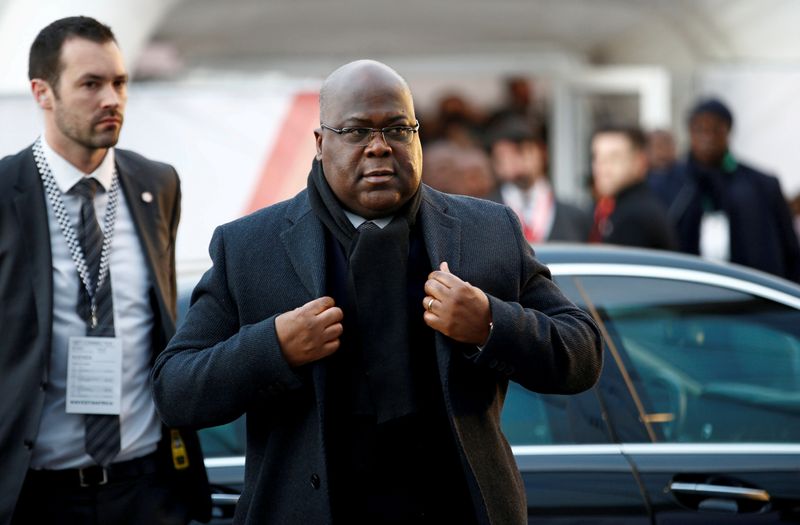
[31, 212]
[304, 242]
[442, 234]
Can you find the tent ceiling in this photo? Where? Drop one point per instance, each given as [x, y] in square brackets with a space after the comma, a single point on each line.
[675, 33]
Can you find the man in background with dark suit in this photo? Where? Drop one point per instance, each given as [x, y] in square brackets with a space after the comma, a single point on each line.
[726, 209]
[520, 163]
[369, 327]
[87, 289]
[627, 211]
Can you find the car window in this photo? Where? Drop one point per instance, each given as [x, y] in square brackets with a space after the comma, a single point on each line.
[224, 440]
[529, 418]
[709, 364]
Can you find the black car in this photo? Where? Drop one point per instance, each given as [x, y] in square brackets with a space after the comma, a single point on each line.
[695, 419]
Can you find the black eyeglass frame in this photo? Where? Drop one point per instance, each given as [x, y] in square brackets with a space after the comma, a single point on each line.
[372, 131]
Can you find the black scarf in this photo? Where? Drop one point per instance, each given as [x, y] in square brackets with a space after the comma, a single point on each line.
[376, 286]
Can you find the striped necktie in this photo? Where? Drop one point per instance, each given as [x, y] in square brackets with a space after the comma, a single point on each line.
[102, 431]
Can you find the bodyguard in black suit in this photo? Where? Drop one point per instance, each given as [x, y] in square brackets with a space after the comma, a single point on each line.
[72, 292]
[627, 211]
[754, 224]
[369, 327]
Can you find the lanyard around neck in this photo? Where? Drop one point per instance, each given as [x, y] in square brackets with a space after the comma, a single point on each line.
[75, 249]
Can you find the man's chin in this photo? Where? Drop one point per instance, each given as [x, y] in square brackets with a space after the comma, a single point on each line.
[105, 141]
[378, 209]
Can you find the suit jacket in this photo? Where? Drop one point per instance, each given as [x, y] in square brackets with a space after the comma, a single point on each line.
[640, 219]
[226, 360]
[26, 304]
[762, 235]
[570, 223]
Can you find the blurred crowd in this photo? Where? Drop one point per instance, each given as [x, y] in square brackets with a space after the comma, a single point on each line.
[645, 193]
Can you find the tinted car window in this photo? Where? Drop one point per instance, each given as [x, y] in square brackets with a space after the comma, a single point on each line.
[224, 440]
[529, 418]
[709, 364]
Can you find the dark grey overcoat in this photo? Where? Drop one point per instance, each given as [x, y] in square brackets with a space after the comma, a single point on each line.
[225, 360]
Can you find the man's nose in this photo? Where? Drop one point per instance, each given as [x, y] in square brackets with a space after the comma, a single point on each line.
[111, 97]
[377, 145]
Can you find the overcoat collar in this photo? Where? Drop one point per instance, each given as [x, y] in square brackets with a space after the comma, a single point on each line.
[304, 242]
[305, 235]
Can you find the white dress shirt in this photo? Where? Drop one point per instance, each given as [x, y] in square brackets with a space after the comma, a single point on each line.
[60, 443]
[535, 208]
[358, 220]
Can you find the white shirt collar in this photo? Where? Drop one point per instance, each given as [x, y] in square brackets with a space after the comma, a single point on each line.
[358, 220]
[66, 175]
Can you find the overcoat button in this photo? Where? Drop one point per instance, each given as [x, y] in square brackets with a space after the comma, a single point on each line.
[315, 482]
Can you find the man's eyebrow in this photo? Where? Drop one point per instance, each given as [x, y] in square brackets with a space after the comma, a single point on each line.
[358, 121]
[95, 76]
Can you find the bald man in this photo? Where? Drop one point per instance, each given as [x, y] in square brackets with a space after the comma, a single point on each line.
[368, 328]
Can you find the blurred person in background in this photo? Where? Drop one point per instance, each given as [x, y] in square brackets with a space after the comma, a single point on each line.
[521, 101]
[794, 206]
[85, 310]
[456, 121]
[627, 212]
[663, 175]
[519, 160]
[460, 170]
[726, 209]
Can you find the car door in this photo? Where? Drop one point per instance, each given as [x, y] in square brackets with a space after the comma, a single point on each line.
[573, 470]
[711, 366]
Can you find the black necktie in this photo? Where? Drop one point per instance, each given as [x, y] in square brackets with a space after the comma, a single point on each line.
[368, 226]
[102, 431]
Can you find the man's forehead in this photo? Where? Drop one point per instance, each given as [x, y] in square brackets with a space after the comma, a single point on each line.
[708, 117]
[362, 88]
[79, 50]
[372, 106]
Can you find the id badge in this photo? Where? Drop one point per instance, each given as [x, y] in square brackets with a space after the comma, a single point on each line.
[715, 236]
[94, 375]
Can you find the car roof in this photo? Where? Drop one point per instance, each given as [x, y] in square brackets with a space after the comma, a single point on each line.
[571, 254]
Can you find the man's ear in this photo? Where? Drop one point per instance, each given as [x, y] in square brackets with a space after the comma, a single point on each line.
[642, 164]
[318, 141]
[42, 93]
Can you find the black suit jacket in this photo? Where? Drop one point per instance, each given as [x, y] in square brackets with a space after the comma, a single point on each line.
[26, 304]
[761, 232]
[640, 219]
[225, 360]
[570, 223]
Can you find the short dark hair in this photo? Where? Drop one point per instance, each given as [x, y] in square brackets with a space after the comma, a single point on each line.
[634, 134]
[713, 106]
[514, 128]
[45, 58]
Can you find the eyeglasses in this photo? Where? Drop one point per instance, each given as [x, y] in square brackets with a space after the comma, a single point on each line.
[363, 136]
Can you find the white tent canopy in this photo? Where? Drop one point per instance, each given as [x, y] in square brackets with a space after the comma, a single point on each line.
[310, 37]
[659, 51]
